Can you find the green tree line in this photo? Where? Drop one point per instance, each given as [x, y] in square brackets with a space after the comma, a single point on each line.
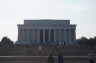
[86, 41]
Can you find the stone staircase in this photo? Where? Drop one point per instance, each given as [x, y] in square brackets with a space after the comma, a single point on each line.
[46, 49]
[19, 54]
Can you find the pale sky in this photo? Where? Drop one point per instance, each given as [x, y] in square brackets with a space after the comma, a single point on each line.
[80, 12]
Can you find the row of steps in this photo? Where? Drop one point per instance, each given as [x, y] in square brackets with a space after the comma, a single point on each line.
[46, 49]
[19, 54]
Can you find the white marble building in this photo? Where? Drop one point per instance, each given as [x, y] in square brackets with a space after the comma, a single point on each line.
[46, 31]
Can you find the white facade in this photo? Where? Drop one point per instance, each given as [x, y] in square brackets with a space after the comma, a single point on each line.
[46, 31]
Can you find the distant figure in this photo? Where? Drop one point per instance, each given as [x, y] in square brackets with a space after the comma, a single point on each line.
[64, 43]
[60, 58]
[57, 44]
[56, 49]
[50, 59]
[29, 50]
[60, 44]
[91, 57]
[40, 48]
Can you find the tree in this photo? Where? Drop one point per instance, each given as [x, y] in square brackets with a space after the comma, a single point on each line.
[85, 41]
[94, 39]
[82, 40]
[6, 41]
[91, 42]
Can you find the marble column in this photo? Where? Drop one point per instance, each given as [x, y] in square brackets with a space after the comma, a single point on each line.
[54, 35]
[64, 35]
[74, 35]
[38, 35]
[49, 35]
[69, 35]
[19, 34]
[59, 35]
[22, 35]
[43, 35]
[33, 35]
[28, 36]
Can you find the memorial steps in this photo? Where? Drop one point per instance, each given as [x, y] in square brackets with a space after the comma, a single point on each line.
[18, 54]
[46, 49]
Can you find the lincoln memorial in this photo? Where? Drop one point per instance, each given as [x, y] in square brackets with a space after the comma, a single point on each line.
[46, 31]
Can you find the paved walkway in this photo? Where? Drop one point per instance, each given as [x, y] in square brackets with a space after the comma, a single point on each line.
[46, 56]
[41, 59]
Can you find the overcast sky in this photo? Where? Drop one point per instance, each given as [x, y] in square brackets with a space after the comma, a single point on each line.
[80, 12]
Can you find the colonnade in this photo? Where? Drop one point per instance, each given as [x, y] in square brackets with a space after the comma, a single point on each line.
[46, 35]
